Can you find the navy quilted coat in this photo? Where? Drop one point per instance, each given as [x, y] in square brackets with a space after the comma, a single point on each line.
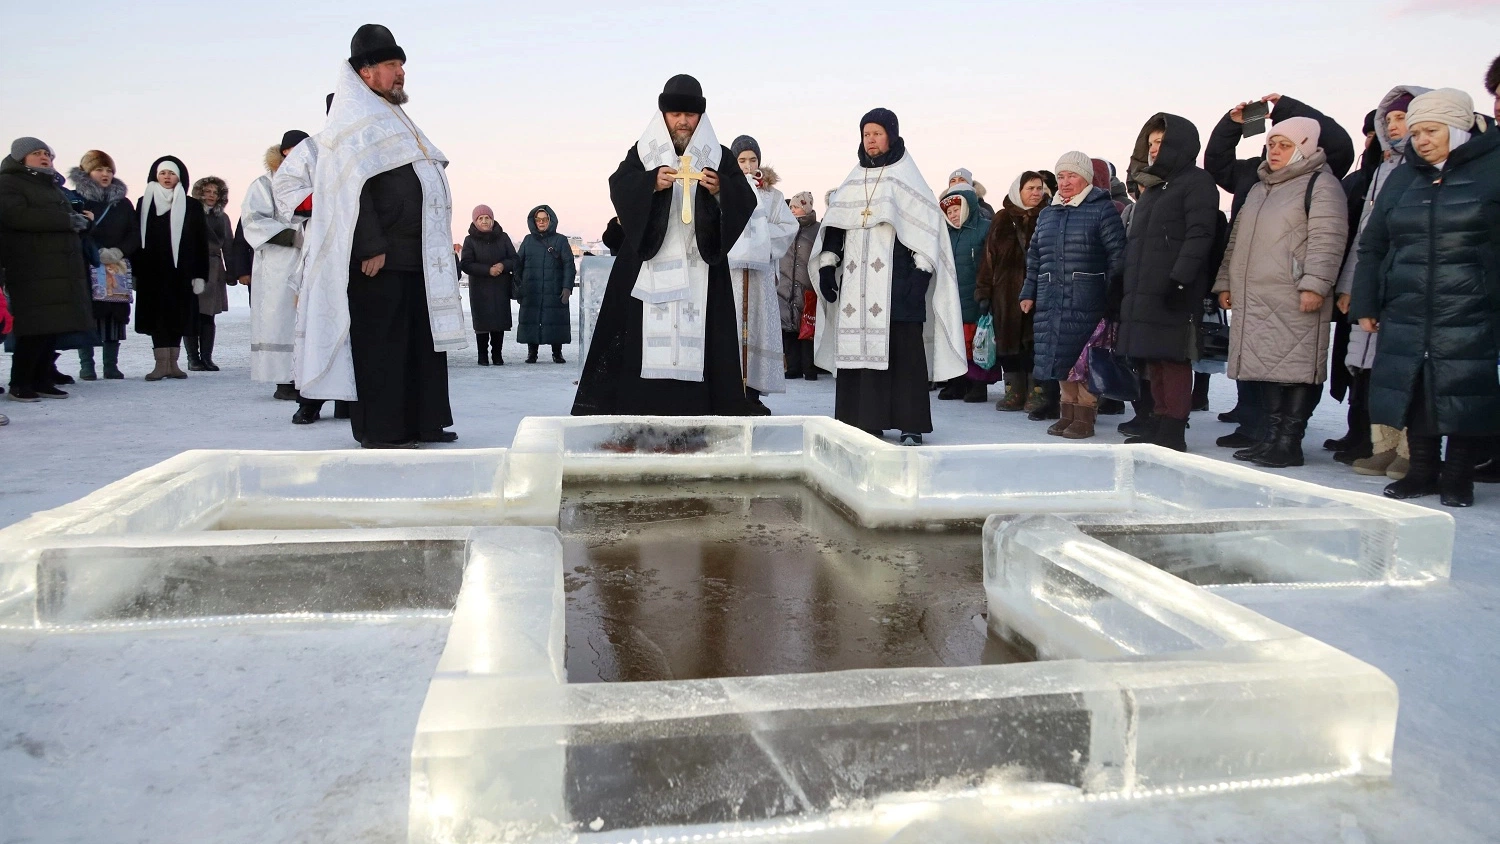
[1429, 270]
[1073, 255]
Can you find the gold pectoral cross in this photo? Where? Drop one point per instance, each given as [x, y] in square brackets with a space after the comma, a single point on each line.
[686, 175]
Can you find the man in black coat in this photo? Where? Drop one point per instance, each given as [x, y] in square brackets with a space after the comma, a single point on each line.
[1167, 272]
[645, 200]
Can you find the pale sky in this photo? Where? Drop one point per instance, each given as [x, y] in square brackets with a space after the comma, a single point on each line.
[537, 103]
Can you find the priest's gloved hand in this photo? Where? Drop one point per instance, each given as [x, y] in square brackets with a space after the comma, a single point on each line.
[199, 285]
[984, 307]
[285, 237]
[828, 283]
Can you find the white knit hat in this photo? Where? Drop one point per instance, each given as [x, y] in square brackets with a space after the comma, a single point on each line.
[1448, 106]
[1076, 162]
[1305, 132]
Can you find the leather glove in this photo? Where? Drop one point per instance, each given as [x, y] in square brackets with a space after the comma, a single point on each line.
[285, 237]
[828, 284]
[111, 256]
[984, 307]
[199, 285]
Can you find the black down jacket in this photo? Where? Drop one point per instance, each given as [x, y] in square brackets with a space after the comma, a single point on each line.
[1429, 270]
[1073, 255]
[1171, 236]
[45, 272]
[544, 269]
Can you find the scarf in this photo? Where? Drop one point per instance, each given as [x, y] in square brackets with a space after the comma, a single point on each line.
[1014, 195]
[1075, 202]
[174, 201]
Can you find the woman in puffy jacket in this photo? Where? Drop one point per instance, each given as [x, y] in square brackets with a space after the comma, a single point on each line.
[1428, 281]
[1079, 245]
[1278, 277]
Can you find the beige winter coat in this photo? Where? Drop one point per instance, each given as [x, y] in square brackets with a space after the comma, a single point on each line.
[1278, 248]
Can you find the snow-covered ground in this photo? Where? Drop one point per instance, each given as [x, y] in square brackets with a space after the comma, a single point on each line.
[302, 733]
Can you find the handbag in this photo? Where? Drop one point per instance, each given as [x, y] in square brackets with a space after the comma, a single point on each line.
[1213, 336]
[1111, 375]
[808, 328]
[984, 343]
[113, 282]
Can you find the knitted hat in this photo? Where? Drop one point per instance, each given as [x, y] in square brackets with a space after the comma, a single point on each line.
[373, 44]
[1401, 103]
[682, 93]
[884, 118]
[1302, 131]
[1076, 162]
[803, 200]
[23, 147]
[291, 139]
[481, 211]
[1370, 121]
[951, 200]
[962, 174]
[743, 143]
[94, 159]
[1448, 106]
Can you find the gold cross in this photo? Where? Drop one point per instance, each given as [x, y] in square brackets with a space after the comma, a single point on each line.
[865, 216]
[686, 174]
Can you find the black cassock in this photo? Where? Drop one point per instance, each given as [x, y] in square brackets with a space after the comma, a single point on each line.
[612, 382]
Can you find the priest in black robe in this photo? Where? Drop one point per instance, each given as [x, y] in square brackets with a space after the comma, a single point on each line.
[680, 357]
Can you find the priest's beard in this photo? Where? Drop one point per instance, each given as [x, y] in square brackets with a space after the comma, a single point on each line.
[397, 95]
[680, 141]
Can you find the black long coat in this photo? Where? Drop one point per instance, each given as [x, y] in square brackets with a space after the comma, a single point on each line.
[489, 296]
[164, 298]
[1429, 270]
[1167, 251]
[45, 272]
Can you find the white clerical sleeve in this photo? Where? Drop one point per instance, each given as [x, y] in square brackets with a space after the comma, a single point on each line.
[258, 217]
[293, 182]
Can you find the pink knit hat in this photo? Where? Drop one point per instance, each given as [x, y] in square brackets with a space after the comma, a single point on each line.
[481, 211]
[1302, 131]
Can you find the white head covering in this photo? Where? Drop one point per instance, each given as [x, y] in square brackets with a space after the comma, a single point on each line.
[1014, 194]
[164, 201]
[1448, 106]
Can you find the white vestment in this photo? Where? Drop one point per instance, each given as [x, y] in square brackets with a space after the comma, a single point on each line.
[854, 332]
[365, 136]
[273, 302]
[673, 285]
[771, 231]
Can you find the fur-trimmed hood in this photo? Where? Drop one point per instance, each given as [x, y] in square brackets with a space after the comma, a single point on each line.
[197, 192]
[768, 177]
[90, 190]
[273, 159]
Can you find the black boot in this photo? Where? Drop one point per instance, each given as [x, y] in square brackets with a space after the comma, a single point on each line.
[341, 410]
[497, 339]
[1422, 478]
[1142, 424]
[308, 411]
[531, 353]
[977, 392]
[1200, 391]
[285, 392]
[1456, 481]
[557, 353]
[1111, 407]
[1270, 398]
[1170, 433]
[195, 360]
[1356, 444]
[1144, 430]
[1297, 403]
[953, 389]
[484, 348]
[206, 337]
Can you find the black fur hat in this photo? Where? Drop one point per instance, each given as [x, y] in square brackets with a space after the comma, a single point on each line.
[682, 93]
[373, 44]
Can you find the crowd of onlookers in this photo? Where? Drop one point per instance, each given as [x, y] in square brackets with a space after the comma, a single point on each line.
[1373, 276]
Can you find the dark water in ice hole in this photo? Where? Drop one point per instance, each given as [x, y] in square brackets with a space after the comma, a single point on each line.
[693, 580]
